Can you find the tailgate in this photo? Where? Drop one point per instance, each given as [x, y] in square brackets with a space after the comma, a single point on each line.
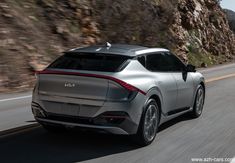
[72, 86]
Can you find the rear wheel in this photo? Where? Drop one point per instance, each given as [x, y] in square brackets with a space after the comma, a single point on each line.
[148, 126]
[198, 102]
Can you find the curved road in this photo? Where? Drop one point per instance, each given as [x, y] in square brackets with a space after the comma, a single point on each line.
[210, 136]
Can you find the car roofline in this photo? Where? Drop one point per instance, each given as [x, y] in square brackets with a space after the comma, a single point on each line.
[125, 50]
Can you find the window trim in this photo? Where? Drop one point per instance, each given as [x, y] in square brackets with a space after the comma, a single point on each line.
[184, 64]
[145, 59]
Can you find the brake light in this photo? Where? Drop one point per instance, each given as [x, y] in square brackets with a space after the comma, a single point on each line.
[126, 85]
[120, 82]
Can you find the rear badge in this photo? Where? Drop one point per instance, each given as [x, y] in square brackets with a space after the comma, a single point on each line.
[70, 85]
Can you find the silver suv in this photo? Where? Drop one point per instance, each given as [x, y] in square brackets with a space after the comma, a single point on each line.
[120, 89]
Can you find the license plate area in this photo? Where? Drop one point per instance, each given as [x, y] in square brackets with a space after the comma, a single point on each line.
[62, 108]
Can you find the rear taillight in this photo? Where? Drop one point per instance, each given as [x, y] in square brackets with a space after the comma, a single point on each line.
[120, 82]
[127, 86]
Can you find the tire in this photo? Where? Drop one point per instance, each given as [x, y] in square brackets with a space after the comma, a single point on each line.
[53, 129]
[148, 126]
[198, 102]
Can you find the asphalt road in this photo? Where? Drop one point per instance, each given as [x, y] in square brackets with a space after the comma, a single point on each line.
[15, 110]
[210, 136]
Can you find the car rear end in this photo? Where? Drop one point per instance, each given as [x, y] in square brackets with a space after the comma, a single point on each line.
[86, 90]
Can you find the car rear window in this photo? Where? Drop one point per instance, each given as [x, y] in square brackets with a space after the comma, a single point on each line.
[90, 62]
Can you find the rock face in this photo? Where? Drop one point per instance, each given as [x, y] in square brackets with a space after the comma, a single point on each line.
[205, 28]
[231, 18]
[188, 27]
[34, 32]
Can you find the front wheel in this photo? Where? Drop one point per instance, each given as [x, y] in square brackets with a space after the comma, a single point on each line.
[198, 102]
[148, 126]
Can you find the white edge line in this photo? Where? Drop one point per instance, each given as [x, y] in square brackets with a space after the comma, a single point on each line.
[15, 98]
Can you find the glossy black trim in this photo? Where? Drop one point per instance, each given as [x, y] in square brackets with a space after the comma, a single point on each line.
[113, 119]
[177, 111]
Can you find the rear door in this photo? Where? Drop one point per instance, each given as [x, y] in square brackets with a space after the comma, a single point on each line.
[156, 63]
[183, 79]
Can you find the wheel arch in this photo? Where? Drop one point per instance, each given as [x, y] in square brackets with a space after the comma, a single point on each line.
[155, 94]
[158, 101]
[203, 85]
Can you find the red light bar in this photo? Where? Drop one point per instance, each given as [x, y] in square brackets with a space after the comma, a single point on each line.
[120, 82]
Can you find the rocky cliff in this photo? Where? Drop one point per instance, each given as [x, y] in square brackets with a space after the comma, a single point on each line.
[197, 30]
[34, 32]
[231, 18]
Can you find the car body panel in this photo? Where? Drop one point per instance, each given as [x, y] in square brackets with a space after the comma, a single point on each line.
[185, 87]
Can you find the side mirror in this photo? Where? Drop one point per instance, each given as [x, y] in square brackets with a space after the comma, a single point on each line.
[190, 68]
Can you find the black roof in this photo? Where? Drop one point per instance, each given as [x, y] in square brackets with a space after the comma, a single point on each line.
[119, 49]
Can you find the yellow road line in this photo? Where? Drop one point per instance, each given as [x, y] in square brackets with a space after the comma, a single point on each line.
[220, 78]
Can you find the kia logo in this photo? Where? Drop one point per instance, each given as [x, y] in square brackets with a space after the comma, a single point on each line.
[69, 85]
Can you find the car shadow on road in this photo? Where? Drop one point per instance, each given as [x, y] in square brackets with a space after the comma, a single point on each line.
[184, 117]
[38, 145]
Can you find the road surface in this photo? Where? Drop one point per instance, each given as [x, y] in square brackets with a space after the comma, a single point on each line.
[15, 110]
[210, 136]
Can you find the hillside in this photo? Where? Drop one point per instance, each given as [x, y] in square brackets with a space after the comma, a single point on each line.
[34, 32]
[231, 18]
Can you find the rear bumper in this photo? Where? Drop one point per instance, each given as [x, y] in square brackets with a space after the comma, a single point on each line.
[93, 117]
[110, 129]
[111, 122]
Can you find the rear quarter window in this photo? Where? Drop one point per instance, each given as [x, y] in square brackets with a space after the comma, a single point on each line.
[90, 62]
